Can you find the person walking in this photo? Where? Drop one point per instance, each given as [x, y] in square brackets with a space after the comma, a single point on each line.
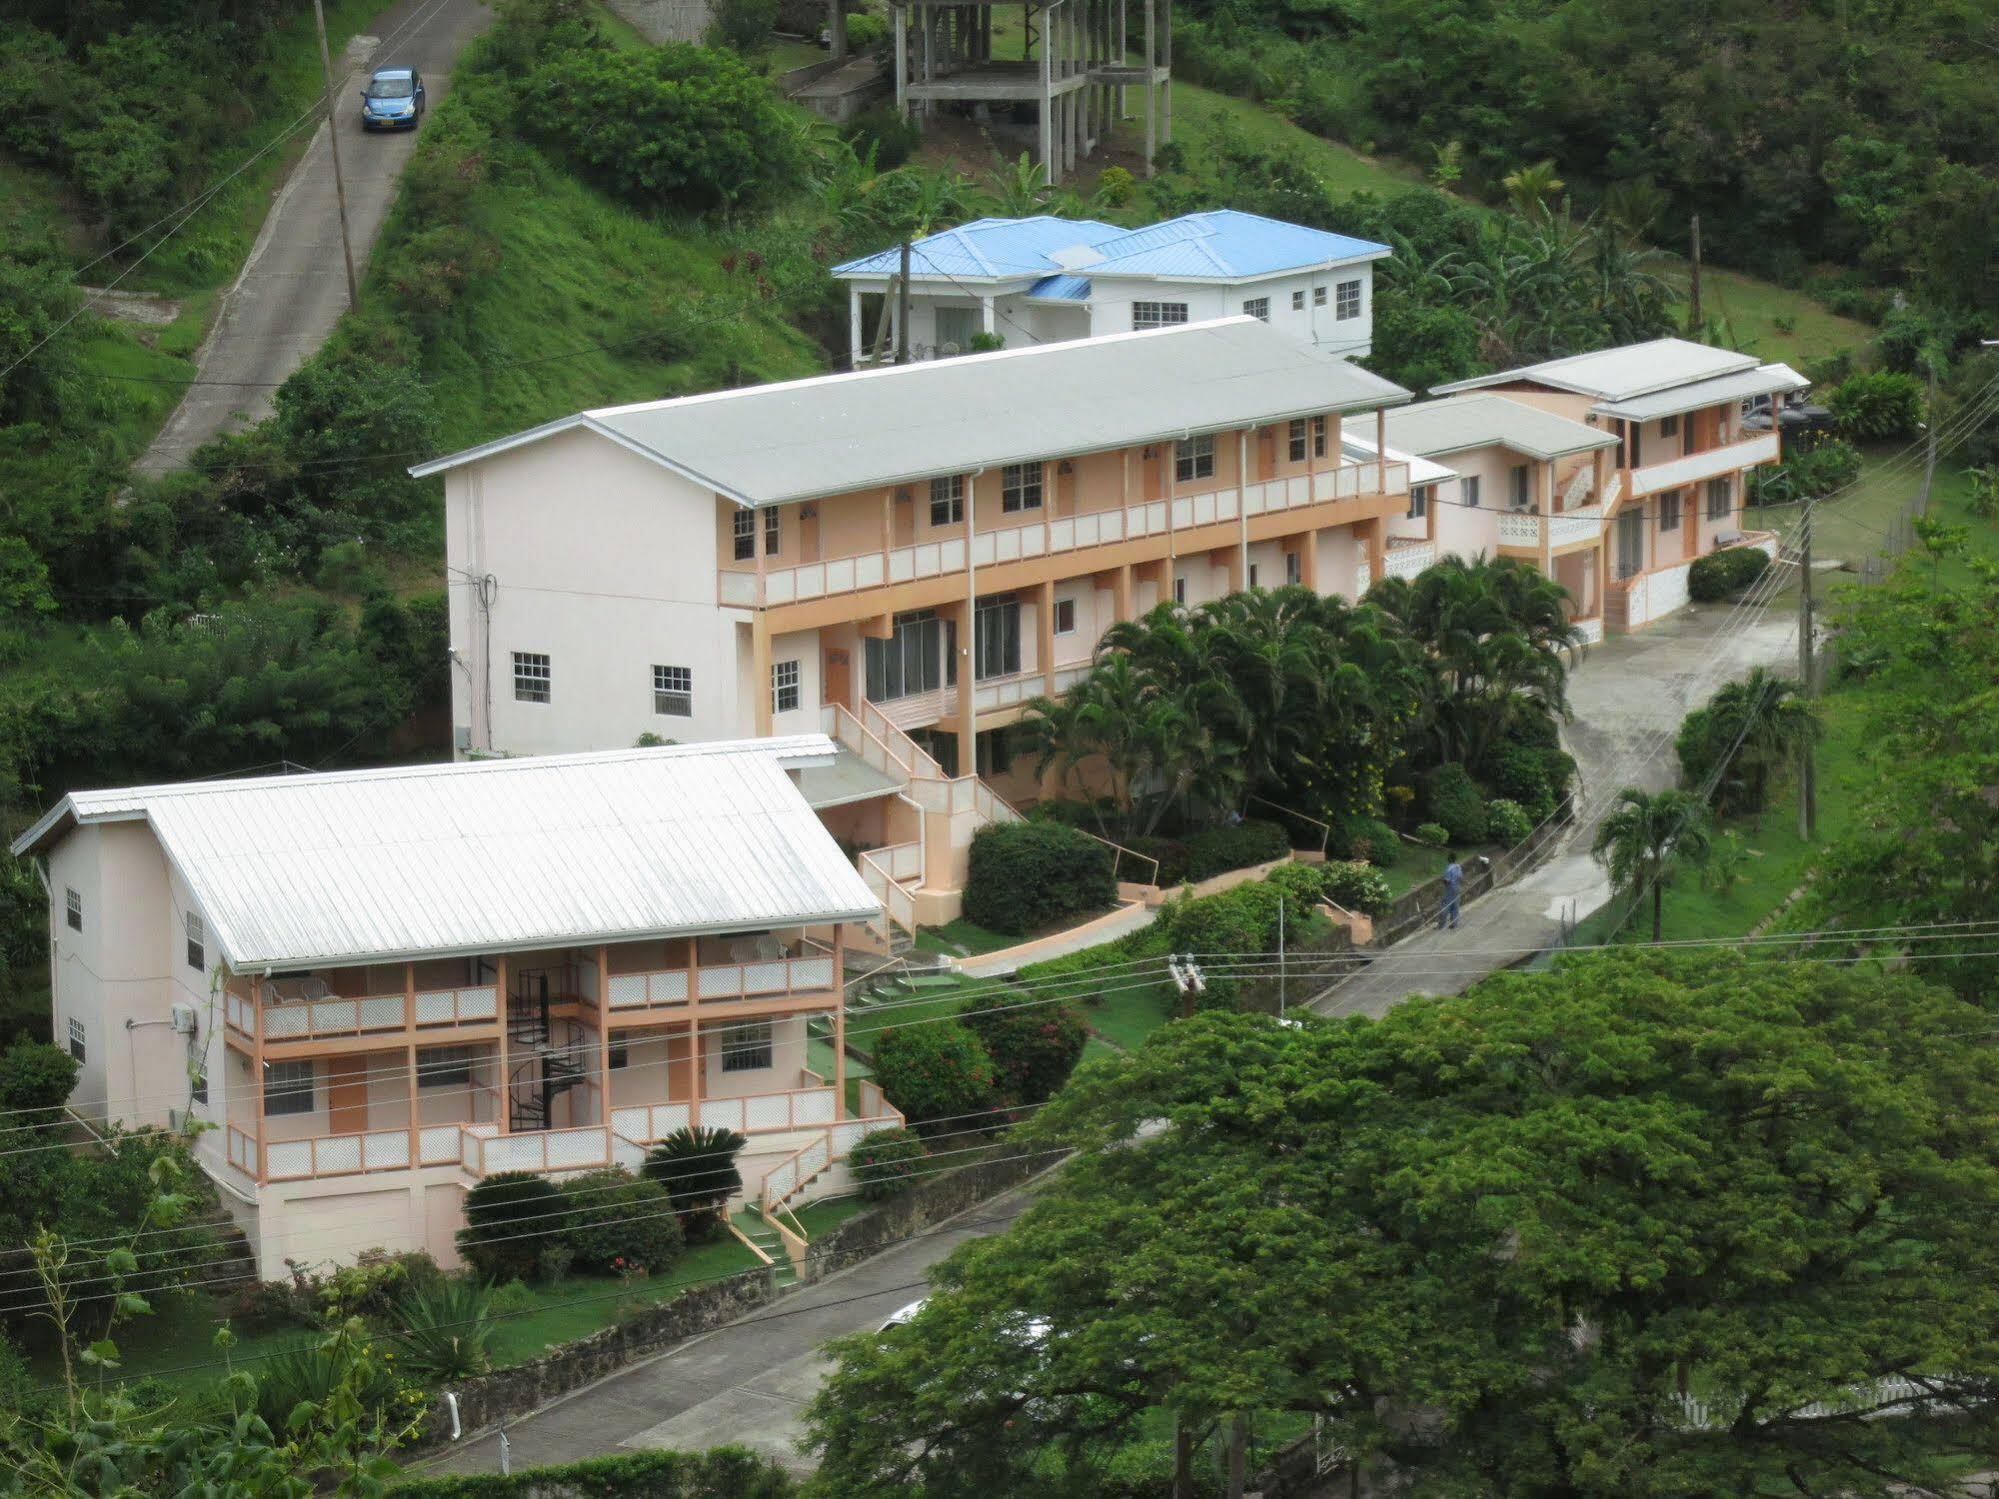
[1454, 884]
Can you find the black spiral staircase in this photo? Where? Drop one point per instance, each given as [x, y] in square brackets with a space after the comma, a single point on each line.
[549, 1067]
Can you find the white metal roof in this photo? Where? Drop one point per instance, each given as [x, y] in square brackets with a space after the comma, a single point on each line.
[1620, 374]
[1456, 424]
[1356, 448]
[494, 855]
[765, 444]
[1766, 379]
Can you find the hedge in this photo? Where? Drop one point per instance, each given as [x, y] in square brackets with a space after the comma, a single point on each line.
[1724, 574]
[617, 1216]
[1033, 1048]
[1027, 875]
[1219, 850]
[1507, 821]
[1454, 801]
[493, 1241]
[1355, 887]
[1172, 855]
[934, 1070]
[886, 1162]
[720, 1473]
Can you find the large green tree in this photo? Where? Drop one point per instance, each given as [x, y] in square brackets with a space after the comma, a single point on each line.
[1649, 1224]
[1645, 839]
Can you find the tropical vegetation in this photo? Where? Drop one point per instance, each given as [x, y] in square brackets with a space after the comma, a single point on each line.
[1645, 839]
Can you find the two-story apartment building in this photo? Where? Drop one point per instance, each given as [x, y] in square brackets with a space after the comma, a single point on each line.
[900, 556]
[1043, 279]
[1675, 484]
[376, 988]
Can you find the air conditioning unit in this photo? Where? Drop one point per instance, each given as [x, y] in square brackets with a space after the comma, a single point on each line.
[183, 1018]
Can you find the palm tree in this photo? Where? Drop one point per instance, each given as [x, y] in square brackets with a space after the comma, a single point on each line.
[1532, 190]
[1646, 838]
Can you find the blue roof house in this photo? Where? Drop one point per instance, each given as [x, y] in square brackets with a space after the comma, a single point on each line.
[1047, 279]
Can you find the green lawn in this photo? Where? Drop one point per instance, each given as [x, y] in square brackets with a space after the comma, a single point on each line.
[935, 1001]
[582, 1304]
[829, 1213]
[179, 1335]
[1128, 1014]
[961, 938]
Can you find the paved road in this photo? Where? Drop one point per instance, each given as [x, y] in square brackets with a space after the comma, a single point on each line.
[1629, 696]
[293, 287]
[745, 1383]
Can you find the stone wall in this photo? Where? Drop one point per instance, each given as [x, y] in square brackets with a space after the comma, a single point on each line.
[666, 20]
[1417, 905]
[929, 1202]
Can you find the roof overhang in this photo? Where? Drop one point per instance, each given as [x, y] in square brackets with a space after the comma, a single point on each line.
[1109, 271]
[583, 421]
[1765, 380]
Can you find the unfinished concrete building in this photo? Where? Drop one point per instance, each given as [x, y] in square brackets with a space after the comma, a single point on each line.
[1065, 77]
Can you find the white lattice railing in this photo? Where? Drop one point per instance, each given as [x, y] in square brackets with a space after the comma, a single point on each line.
[308, 1019]
[1410, 558]
[1591, 630]
[1522, 528]
[539, 1150]
[1578, 487]
[1894, 1396]
[1691, 468]
[668, 986]
[789, 1177]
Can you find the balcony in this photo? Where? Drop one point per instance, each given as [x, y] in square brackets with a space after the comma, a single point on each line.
[1406, 559]
[920, 709]
[308, 1010]
[1520, 530]
[1675, 473]
[1048, 535]
[773, 977]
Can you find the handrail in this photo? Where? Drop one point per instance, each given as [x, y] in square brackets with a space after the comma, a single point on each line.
[1325, 828]
[1119, 851]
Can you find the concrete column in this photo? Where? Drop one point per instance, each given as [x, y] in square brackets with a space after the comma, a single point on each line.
[1045, 635]
[901, 60]
[760, 673]
[968, 639]
[1548, 519]
[1242, 507]
[696, 1083]
[1381, 450]
[1047, 123]
[409, 1058]
[985, 316]
[854, 338]
[500, 1008]
[1308, 560]
[1166, 113]
[257, 1070]
[1121, 592]
[840, 1022]
[1151, 93]
[837, 24]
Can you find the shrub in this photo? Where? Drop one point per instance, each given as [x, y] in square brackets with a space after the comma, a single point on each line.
[886, 1162]
[1026, 875]
[1877, 405]
[892, 138]
[508, 1218]
[696, 1168]
[744, 25]
[719, 1473]
[1356, 887]
[35, 1077]
[1522, 774]
[1172, 855]
[1033, 1048]
[1375, 842]
[938, 1070]
[292, 1377]
[1218, 850]
[442, 1330]
[1433, 833]
[1507, 821]
[1726, 573]
[374, 1283]
[1454, 801]
[865, 32]
[617, 1216]
[1238, 922]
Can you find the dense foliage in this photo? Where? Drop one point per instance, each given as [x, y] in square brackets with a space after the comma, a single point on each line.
[1877, 406]
[1235, 845]
[1745, 740]
[1726, 573]
[1525, 1220]
[621, 1222]
[886, 1161]
[510, 1217]
[719, 1473]
[696, 1167]
[1033, 1046]
[936, 1072]
[1028, 875]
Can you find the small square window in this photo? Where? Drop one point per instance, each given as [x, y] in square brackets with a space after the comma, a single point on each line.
[1258, 308]
[947, 500]
[773, 531]
[1298, 446]
[533, 678]
[1468, 491]
[747, 1048]
[746, 535]
[445, 1066]
[288, 1087]
[1294, 568]
[1298, 301]
[1065, 616]
[673, 691]
[76, 1046]
[784, 687]
[1318, 296]
[1346, 304]
[197, 944]
[1194, 458]
[1669, 426]
[1669, 510]
[72, 909]
[1419, 501]
[1020, 487]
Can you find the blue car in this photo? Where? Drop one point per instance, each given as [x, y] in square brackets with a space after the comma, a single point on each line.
[393, 100]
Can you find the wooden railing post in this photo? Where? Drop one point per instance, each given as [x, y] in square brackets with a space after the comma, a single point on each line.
[257, 1068]
[694, 1059]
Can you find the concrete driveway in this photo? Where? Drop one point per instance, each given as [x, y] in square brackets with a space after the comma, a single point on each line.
[745, 1383]
[293, 288]
[1628, 697]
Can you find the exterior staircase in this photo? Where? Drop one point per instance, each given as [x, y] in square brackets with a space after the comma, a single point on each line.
[764, 1241]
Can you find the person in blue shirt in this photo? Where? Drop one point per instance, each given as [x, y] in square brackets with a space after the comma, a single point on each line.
[1454, 884]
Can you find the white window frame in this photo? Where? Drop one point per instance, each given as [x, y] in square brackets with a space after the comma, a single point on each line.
[1724, 490]
[673, 691]
[1318, 296]
[785, 680]
[293, 1098]
[530, 667]
[750, 1046]
[1346, 301]
[1065, 617]
[773, 531]
[1294, 567]
[1022, 486]
[1258, 308]
[746, 535]
[1298, 300]
[79, 1041]
[72, 908]
[1420, 498]
[1298, 442]
[197, 942]
[1670, 506]
[947, 495]
[1468, 487]
[1180, 590]
[1318, 437]
[1157, 315]
[1194, 458]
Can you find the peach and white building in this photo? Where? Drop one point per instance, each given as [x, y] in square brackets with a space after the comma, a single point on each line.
[369, 990]
[901, 558]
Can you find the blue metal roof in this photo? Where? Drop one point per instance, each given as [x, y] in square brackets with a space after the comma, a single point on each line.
[1221, 245]
[990, 248]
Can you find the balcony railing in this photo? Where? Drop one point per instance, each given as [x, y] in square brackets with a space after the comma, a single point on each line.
[1711, 464]
[1590, 629]
[1047, 535]
[345, 1155]
[755, 979]
[308, 1019]
[1522, 528]
[1409, 558]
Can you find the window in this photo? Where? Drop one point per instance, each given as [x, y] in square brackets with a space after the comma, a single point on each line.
[1065, 616]
[1158, 314]
[197, 944]
[1720, 502]
[1298, 301]
[955, 328]
[288, 1087]
[773, 531]
[673, 691]
[996, 639]
[1468, 491]
[947, 500]
[620, 1050]
[1669, 510]
[445, 1066]
[1297, 448]
[1020, 487]
[1346, 301]
[1180, 591]
[532, 677]
[1294, 568]
[746, 535]
[784, 686]
[1258, 307]
[1318, 296]
[746, 1048]
[1419, 500]
[1318, 437]
[911, 660]
[76, 1047]
[1517, 482]
[1194, 458]
[1252, 575]
[72, 909]
[1669, 426]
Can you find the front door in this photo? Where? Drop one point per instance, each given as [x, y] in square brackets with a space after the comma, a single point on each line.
[347, 1095]
[836, 682]
[1630, 542]
[679, 1069]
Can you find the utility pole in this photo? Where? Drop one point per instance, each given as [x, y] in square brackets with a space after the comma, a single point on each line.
[1930, 444]
[902, 308]
[1281, 986]
[1694, 282]
[333, 144]
[1808, 791]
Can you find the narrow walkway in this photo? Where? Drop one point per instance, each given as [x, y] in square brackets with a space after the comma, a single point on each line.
[1628, 697]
